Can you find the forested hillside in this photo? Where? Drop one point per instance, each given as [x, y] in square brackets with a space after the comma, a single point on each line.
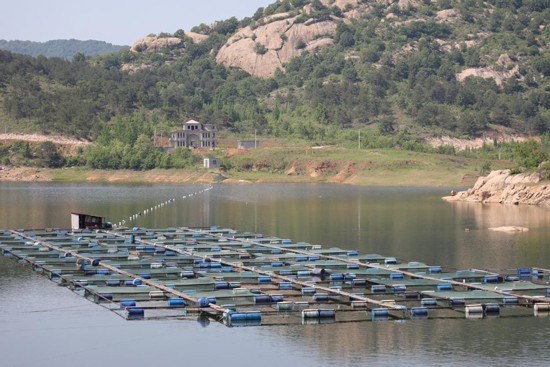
[64, 49]
[400, 71]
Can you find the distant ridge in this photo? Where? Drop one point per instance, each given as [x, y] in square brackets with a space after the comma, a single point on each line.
[61, 48]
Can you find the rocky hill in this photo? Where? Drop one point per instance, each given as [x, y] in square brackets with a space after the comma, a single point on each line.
[410, 74]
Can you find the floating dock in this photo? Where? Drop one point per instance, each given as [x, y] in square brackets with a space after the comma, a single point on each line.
[247, 279]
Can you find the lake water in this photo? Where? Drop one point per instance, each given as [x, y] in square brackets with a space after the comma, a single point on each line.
[47, 325]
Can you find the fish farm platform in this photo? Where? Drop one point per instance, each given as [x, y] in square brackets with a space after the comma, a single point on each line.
[246, 279]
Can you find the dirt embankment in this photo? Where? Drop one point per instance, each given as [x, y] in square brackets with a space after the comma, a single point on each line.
[66, 144]
[505, 188]
[25, 174]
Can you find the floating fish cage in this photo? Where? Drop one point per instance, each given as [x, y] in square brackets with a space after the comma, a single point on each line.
[248, 279]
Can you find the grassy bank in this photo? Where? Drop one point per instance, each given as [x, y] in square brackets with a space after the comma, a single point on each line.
[381, 167]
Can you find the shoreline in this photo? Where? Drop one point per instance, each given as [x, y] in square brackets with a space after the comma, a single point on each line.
[382, 178]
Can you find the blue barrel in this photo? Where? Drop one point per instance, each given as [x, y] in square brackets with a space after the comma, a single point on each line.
[378, 288]
[112, 283]
[510, 300]
[253, 315]
[234, 284]
[137, 281]
[215, 265]
[490, 279]
[445, 287]
[410, 295]
[380, 312]
[456, 301]
[352, 266]
[129, 283]
[221, 285]
[226, 269]
[359, 282]
[237, 316]
[390, 260]
[310, 314]
[353, 253]
[284, 306]
[264, 279]
[428, 302]
[127, 303]
[303, 273]
[176, 302]
[308, 291]
[136, 312]
[95, 262]
[398, 288]
[276, 297]
[215, 249]
[132, 239]
[301, 258]
[285, 272]
[327, 313]
[522, 271]
[286, 242]
[262, 298]
[313, 258]
[491, 308]
[419, 311]
[144, 275]
[337, 276]
[320, 297]
[203, 302]
[285, 285]
[435, 269]
[103, 272]
[276, 251]
[396, 276]
[213, 228]
[105, 296]
[277, 263]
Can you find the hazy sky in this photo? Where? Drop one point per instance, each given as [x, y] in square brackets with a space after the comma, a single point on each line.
[119, 22]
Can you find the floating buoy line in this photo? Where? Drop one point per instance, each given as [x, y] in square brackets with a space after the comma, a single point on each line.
[159, 206]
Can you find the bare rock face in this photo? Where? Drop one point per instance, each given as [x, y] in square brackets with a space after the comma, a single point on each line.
[487, 72]
[196, 37]
[155, 44]
[239, 51]
[504, 188]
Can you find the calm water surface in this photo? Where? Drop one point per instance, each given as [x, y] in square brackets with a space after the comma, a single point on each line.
[47, 325]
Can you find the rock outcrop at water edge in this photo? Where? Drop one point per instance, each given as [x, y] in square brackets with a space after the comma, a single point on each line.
[506, 188]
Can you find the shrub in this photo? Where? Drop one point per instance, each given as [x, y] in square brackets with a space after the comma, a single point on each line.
[260, 48]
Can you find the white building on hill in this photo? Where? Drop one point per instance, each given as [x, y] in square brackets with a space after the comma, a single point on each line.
[194, 135]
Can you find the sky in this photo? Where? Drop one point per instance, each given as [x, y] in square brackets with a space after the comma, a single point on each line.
[120, 22]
